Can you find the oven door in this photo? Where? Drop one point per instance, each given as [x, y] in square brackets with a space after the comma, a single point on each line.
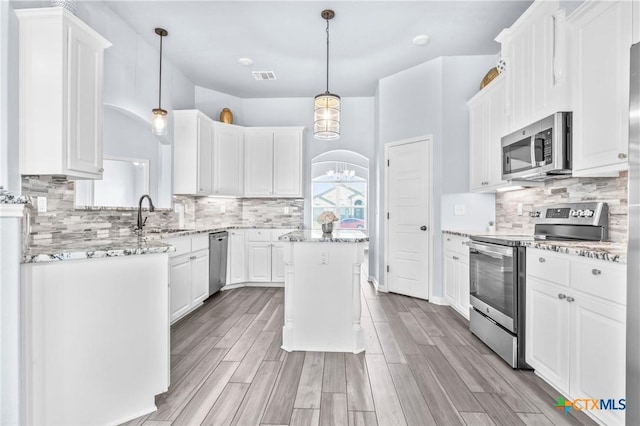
[493, 277]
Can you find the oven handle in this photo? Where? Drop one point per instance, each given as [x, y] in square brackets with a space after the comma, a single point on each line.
[491, 250]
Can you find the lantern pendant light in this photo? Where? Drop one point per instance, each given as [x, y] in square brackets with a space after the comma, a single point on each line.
[159, 118]
[326, 117]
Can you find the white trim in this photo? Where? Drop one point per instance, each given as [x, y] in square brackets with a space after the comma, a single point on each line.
[429, 139]
[377, 285]
[438, 301]
[248, 284]
[11, 210]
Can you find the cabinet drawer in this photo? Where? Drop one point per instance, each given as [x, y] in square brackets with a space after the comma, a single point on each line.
[600, 278]
[200, 242]
[548, 266]
[259, 235]
[455, 243]
[182, 245]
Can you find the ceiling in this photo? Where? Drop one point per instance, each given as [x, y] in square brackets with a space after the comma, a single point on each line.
[369, 39]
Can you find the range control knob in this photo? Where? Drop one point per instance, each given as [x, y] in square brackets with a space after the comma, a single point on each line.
[588, 213]
[579, 213]
[573, 213]
[534, 213]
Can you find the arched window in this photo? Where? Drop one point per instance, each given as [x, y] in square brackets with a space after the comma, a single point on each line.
[340, 184]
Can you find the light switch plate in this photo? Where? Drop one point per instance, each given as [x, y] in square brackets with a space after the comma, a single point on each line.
[324, 257]
[42, 204]
[519, 209]
[223, 208]
[459, 210]
[286, 209]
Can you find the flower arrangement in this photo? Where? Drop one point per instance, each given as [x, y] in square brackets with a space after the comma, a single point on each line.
[327, 217]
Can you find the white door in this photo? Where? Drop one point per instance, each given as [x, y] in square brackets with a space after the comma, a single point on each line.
[180, 285]
[277, 262]
[409, 217]
[449, 277]
[259, 262]
[229, 161]
[205, 157]
[287, 163]
[258, 163]
[236, 267]
[199, 277]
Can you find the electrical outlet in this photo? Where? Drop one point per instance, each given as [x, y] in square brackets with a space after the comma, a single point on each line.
[519, 209]
[223, 208]
[286, 209]
[459, 210]
[324, 257]
[42, 204]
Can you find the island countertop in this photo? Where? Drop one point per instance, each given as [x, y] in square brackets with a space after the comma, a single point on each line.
[313, 236]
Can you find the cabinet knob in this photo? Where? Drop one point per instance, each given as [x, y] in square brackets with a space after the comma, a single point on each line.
[570, 299]
[562, 296]
[448, 239]
[101, 169]
[542, 259]
[596, 271]
[622, 156]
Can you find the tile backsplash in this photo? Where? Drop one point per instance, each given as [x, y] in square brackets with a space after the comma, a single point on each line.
[613, 191]
[63, 221]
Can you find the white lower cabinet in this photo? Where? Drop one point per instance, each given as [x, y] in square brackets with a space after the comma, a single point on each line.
[456, 273]
[265, 255]
[188, 274]
[575, 327]
[236, 263]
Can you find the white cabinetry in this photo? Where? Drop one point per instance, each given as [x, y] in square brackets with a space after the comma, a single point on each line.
[600, 33]
[61, 73]
[486, 126]
[456, 273]
[265, 255]
[188, 274]
[273, 162]
[236, 263]
[534, 49]
[575, 326]
[210, 157]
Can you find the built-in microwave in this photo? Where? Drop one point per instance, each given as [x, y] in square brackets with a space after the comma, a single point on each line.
[539, 151]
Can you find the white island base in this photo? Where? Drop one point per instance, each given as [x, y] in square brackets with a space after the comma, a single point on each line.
[322, 295]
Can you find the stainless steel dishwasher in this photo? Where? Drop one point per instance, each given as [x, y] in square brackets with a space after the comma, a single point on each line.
[217, 261]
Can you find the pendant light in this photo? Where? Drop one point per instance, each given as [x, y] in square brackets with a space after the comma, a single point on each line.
[326, 116]
[159, 119]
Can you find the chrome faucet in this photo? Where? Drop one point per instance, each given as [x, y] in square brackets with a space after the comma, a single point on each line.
[151, 208]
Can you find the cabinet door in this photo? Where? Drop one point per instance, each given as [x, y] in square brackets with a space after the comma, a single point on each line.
[547, 336]
[598, 352]
[476, 145]
[236, 265]
[495, 130]
[84, 103]
[199, 277]
[287, 163]
[277, 262]
[205, 157]
[180, 285]
[518, 95]
[259, 262]
[258, 164]
[600, 40]
[450, 279]
[228, 170]
[462, 278]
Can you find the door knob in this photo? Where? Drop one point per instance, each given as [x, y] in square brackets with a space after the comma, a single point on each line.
[423, 228]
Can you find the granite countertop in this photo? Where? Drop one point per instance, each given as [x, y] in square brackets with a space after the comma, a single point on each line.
[603, 250]
[338, 236]
[172, 233]
[111, 247]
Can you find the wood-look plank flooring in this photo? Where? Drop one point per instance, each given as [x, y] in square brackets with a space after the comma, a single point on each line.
[421, 366]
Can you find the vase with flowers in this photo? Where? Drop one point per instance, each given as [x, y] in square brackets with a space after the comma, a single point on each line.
[326, 219]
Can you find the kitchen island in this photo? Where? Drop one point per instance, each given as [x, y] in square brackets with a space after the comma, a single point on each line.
[322, 291]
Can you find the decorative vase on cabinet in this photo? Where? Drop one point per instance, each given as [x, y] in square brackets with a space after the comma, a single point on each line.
[226, 116]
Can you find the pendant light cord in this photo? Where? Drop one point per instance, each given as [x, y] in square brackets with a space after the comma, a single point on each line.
[160, 77]
[327, 56]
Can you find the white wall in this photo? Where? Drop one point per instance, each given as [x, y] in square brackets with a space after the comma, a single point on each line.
[429, 99]
[479, 210]
[211, 103]
[9, 177]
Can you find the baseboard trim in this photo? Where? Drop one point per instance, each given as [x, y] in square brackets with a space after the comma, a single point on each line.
[377, 285]
[438, 301]
[252, 284]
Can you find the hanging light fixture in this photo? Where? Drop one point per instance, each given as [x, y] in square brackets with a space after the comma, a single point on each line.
[326, 116]
[159, 119]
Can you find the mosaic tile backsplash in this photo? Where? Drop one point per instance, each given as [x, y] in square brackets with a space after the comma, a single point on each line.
[613, 191]
[63, 221]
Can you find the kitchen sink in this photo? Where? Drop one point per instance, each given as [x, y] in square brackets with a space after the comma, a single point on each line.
[167, 230]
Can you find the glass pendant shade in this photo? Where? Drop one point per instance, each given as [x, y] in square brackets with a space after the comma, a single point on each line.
[326, 117]
[159, 122]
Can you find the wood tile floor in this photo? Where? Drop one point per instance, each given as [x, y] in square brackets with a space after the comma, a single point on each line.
[422, 366]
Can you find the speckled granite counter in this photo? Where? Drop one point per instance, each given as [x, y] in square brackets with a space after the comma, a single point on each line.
[340, 236]
[162, 233]
[603, 250]
[112, 247]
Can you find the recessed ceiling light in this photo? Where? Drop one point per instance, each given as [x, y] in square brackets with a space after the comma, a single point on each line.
[421, 40]
[245, 61]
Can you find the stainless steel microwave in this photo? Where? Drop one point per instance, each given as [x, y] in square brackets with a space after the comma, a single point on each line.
[539, 151]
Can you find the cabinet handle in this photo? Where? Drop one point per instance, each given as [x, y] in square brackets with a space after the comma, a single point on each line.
[596, 271]
[455, 258]
[193, 257]
[101, 169]
[562, 296]
[570, 299]
[542, 259]
[622, 156]
[448, 239]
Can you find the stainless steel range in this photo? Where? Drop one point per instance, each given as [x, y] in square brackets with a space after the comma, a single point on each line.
[497, 272]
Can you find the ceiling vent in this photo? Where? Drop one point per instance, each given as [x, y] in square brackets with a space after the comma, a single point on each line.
[263, 75]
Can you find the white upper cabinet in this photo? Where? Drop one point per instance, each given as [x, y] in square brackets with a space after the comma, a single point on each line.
[61, 80]
[273, 162]
[486, 126]
[209, 156]
[534, 50]
[600, 38]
